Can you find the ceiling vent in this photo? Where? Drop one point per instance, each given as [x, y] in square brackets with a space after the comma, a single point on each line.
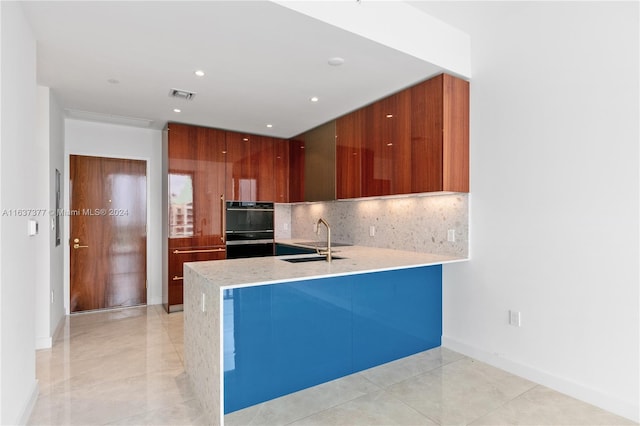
[181, 94]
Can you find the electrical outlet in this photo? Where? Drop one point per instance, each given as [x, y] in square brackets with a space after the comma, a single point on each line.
[53, 296]
[372, 231]
[451, 235]
[286, 226]
[514, 318]
[204, 306]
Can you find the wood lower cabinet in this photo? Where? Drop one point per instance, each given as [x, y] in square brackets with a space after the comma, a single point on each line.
[177, 258]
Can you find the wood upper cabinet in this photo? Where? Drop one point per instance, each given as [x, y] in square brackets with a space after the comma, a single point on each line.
[251, 161]
[416, 140]
[440, 135]
[387, 146]
[196, 185]
[240, 182]
[281, 170]
[262, 164]
[296, 170]
[350, 133]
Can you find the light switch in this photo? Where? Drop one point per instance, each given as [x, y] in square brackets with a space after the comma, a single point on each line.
[33, 227]
[451, 235]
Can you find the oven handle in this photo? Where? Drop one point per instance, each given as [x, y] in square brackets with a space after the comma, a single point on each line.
[198, 251]
[250, 232]
[249, 242]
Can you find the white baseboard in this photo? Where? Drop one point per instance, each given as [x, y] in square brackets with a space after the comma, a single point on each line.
[564, 385]
[43, 342]
[47, 341]
[29, 405]
[155, 301]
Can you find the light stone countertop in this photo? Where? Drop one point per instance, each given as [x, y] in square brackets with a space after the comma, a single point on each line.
[234, 273]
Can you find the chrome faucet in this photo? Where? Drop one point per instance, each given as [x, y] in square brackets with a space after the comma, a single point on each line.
[326, 252]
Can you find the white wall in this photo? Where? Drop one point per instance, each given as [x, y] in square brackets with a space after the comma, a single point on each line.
[56, 253]
[108, 140]
[48, 157]
[18, 183]
[555, 188]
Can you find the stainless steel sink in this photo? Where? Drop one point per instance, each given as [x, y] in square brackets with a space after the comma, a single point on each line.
[314, 258]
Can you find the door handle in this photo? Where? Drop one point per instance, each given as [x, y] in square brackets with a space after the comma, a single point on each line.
[223, 217]
[76, 244]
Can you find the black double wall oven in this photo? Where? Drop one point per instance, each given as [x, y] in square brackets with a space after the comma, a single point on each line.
[249, 229]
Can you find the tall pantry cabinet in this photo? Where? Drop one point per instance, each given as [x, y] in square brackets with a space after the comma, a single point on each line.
[196, 202]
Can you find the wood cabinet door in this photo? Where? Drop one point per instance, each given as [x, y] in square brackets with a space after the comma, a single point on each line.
[178, 256]
[385, 147]
[197, 161]
[455, 138]
[262, 167]
[240, 182]
[426, 135]
[350, 132]
[396, 133]
[281, 170]
[209, 187]
[296, 170]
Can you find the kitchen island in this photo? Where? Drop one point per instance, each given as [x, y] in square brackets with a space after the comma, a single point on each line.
[259, 328]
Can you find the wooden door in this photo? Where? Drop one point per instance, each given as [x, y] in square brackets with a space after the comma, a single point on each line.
[108, 244]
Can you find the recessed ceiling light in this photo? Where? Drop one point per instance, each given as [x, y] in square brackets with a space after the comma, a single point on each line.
[199, 73]
[314, 99]
[336, 61]
[269, 125]
[177, 110]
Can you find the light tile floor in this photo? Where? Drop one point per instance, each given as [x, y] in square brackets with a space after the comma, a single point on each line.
[125, 367]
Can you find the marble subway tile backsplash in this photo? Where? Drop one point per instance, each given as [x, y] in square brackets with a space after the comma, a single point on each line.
[416, 223]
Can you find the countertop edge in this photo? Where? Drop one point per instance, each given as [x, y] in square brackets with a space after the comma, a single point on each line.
[339, 274]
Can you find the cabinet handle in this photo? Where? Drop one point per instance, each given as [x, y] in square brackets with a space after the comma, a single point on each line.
[198, 251]
[176, 278]
[223, 222]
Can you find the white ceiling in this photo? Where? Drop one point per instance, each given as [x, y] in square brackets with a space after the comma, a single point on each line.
[263, 62]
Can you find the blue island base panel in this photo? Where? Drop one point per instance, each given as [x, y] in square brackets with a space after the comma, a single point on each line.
[282, 338]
